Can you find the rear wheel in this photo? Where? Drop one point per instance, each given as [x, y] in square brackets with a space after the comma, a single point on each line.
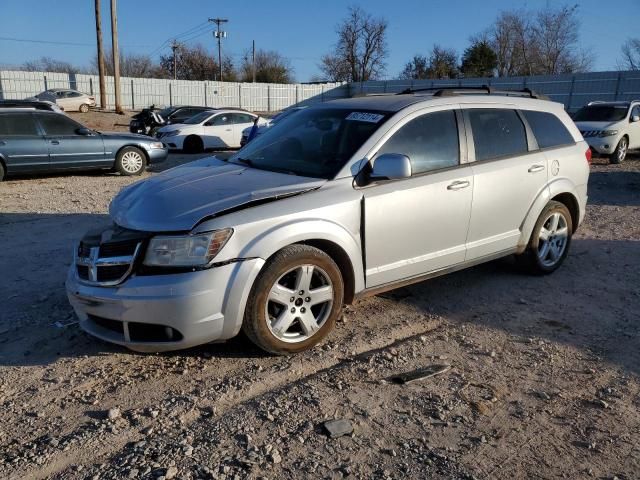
[1, 172]
[550, 240]
[193, 144]
[295, 300]
[130, 161]
[620, 153]
[84, 108]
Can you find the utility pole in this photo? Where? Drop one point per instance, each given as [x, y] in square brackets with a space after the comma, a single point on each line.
[253, 61]
[116, 54]
[219, 34]
[103, 91]
[174, 46]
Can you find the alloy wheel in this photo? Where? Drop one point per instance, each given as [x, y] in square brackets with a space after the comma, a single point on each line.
[622, 149]
[132, 162]
[299, 303]
[552, 240]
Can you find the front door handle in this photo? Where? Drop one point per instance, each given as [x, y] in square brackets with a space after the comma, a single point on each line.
[458, 185]
[55, 142]
[535, 168]
[228, 130]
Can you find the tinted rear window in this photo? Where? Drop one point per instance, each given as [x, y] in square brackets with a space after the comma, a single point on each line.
[548, 129]
[18, 124]
[58, 124]
[497, 133]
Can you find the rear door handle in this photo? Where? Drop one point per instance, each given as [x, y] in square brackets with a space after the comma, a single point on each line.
[458, 185]
[535, 168]
[228, 130]
[55, 142]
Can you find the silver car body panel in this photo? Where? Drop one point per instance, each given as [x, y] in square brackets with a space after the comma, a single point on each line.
[391, 231]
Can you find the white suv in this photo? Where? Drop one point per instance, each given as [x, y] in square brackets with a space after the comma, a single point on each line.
[339, 201]
[610, 128]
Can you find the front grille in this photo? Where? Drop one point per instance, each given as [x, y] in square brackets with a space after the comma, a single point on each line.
[590, 133]
[106, 264]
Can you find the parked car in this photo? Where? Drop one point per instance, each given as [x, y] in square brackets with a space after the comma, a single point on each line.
[274, 241]
[31, 104]
[67, 99]
[39, 141]
[177, 114]
[269, 123]
[211, 129]
[610, 128]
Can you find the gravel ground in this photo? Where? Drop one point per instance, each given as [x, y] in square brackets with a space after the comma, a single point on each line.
[542, 378]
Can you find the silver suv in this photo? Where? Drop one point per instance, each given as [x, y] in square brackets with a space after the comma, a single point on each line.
[335, 203]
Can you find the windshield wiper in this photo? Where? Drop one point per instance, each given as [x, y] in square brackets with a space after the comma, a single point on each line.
[245, 161]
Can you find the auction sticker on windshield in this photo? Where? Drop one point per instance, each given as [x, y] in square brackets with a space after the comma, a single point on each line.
[365, 117]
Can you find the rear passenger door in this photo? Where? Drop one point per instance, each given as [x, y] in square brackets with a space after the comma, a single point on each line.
[67, 148]
[240, 122]
[22, 144]
[508, 173]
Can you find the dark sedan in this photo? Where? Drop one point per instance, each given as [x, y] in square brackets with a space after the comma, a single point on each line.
[37, 141]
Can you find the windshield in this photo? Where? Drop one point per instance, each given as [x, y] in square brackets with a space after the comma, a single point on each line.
[315, 142]
[602, 113]
[199, 118]
[165, 112]
[282, 115]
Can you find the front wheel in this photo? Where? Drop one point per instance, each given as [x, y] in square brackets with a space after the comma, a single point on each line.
[295, 301]
[193, 144]
[620, 153]
[550, 240]
[130, 161]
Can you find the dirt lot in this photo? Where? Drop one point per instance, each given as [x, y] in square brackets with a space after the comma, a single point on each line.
[544, 378]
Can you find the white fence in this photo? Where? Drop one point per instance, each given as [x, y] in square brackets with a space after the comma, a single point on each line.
[574, 90]
[137, 93]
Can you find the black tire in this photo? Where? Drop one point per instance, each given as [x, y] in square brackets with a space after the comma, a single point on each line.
[2, 172]
[620, 153]
[193, 144]
[84, 108]
[531, 259]
[258, 327]
[125, 161]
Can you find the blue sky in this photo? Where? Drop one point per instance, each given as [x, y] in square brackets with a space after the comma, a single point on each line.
[300, 30]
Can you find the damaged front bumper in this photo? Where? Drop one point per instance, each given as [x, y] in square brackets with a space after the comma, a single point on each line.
[154, 313]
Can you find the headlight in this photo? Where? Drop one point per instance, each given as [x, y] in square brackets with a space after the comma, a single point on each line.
[186, 250]
[172, 133]
[156, 145]
[607, 133]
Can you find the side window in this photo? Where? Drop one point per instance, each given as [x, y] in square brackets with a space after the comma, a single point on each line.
[222, 119]
[58, 124]
[242, 118]
[635, 112]
[548, 129]
[71, 94]
[18, 124]
[430, 141]
[497, 133]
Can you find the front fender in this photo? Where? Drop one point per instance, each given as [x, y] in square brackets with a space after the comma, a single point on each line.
[279, 236]
[556, 187]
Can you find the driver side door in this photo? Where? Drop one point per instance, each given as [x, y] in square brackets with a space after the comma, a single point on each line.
[634, 128]
[419, 224]
[67, 148]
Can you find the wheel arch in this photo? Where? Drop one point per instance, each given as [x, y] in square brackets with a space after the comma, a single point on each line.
[145, 154]
[571, 202]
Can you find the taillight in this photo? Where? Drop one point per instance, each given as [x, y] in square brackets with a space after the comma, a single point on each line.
[587, 154]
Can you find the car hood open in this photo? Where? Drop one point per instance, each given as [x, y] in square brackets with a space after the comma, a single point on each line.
[180, 198]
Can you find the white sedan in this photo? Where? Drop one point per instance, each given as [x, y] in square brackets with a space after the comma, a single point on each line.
[67, 99]
[212, 129]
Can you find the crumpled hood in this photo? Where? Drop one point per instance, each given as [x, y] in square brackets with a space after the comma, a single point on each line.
[178, 199]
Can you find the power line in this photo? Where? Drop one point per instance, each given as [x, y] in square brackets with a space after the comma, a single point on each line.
[51, 42]
[175, 37]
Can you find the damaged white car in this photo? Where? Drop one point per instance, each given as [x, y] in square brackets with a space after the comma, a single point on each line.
[342, 200]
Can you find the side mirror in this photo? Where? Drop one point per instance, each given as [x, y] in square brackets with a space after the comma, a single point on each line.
[391, 166]
[635, 118]
[84, 131]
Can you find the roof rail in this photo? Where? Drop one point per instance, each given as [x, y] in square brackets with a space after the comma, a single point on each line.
[486, 89]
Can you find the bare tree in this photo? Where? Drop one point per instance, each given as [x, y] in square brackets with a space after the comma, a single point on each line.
[542, 42]
[361, 49]
[195, 63]
[555, 34]
[131, 65]
[631, 54]
[48, 64]
[443, 63]
[271, 67]
[416, 69]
